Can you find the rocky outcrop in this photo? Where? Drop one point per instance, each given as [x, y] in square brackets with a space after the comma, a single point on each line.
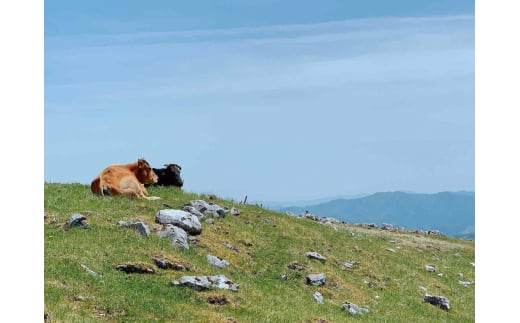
[182, 219]
[209, 209]
[206, 282]
[315, 279]
[78, 220]
[353, 309]
[217, 262]
[439, 301]
[178, 236]
[315, 255]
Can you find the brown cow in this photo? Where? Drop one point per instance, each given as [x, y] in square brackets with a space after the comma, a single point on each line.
[125, 180]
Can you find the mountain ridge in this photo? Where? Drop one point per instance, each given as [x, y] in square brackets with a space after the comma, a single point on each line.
[451, 212]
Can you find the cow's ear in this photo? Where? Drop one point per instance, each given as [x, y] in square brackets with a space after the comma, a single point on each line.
[140, 163]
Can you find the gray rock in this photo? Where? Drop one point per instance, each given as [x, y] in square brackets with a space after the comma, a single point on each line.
[310, 216]
[217, 262]
[206, 282]
[315, 279]
[230, 246]
[90, 271]
[464, 283]
[194, 211]
[440, 301]
[318, 297]
[353, 309]
[430, 268]
[182, 219]
[350, 265]
[209, 209]
[234, 211]
[141, 228]
[123, 224]
[315, 255]
[178, 236]
[390, 250]
[388, 227]
[77, 220]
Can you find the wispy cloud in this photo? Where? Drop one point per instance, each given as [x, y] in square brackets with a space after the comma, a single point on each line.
[332, 54]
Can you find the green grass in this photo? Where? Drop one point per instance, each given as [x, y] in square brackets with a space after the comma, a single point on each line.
[386, 282]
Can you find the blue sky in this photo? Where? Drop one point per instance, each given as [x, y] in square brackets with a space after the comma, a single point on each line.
[277, 100]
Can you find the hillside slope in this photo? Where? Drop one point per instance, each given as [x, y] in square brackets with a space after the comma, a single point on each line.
[388, 273]
[450, 212]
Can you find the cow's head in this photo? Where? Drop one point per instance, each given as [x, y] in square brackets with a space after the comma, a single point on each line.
[145, 173]
[173, 172]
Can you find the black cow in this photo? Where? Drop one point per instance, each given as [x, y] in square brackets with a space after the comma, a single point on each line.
[169, 176]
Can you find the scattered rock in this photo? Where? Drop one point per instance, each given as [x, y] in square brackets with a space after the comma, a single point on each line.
[231, 247]
[123, 224]
[77, 220]
[315, 279]
[318, 297]
[423, 288]
[141, 228]
[90, 271]
[178, 236]
[440, 301]
[194, 211]
[390, 250]
[182, 219]
[164, 263]
[388, 227]
[79, 298]
[430, 268]
[217, 262]
[464, 283]
[209, 209]
[309, 215]
[234, 211]
[206, 282]
[284, 276]
[350, 265]
[353, 309]
[472, 263]
[434, 232]
[315, 255]
[138, 268]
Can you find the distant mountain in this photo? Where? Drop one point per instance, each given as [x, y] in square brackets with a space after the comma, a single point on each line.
[277, 205]
[452, 213]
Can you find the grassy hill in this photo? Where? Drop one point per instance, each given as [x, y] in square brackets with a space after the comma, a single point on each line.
[389, 283]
